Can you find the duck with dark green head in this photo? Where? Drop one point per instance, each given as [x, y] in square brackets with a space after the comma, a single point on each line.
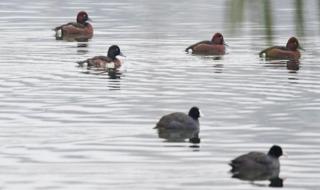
[106, 62]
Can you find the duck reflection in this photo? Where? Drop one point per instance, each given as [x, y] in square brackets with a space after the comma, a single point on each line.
[179, 135]
[210, 57]
[82, 48]
[256, 175]
[291, 65]
[73, 38]
[218, 66]
[111, 73]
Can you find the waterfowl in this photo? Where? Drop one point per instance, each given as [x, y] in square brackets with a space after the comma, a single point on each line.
[257, 165]
[214, 47]
[181, 125]
[290, 51]
[107, 62]
[81, 28]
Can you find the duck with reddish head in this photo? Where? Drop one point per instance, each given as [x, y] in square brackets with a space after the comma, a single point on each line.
[288, 52]
[214, 47]
[109, 62]
[75, 30]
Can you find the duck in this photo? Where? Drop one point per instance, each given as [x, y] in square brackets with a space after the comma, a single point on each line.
[257, 165]
[216, 46]
[81, 28]
[180, 125]
[288, 52]
[106, 62]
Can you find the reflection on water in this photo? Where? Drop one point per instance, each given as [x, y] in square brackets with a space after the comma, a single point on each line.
[292, 65]
[74, 38]
[256, 175]
[179, 135]
[274, 182]
[299, 17]
[91, 128]
[267, 15]
[82, 48]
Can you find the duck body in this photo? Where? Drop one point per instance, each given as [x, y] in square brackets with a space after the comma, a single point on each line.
[79, 29]
[254, 161]
[257, 165]
[105, 62]
[74, 28]
[288, 52]
[214, 47]
[179, 126]
[178, 120]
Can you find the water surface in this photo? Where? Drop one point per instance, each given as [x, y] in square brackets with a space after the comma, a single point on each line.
[64, 127]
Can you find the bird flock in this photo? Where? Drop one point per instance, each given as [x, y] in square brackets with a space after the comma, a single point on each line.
[179, 126]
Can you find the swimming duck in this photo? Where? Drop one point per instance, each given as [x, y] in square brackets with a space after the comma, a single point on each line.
[80, 28]
[214, 47]
[255, 165]
[178, 123]
[107, 62]
[290, 51]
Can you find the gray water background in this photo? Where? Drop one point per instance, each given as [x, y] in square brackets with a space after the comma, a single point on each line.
[63, 127]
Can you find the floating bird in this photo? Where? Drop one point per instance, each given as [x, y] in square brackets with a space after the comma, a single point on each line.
[257, 165]
[290, 51]
[214, 47]
[179, 126]
[79, 29]
[106, 62]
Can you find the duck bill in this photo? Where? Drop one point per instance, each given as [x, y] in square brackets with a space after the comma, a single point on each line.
[224, 43]
[301, 48]
[121, 54]
[201, 114]
[89, 19]
[285, 155]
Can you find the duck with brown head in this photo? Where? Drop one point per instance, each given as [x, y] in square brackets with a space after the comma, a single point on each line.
[214, 47]
[288, 52]
[81, 28]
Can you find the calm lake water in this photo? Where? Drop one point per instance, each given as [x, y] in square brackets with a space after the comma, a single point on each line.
[63, 127]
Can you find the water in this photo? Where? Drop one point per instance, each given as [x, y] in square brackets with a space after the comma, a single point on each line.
[63, 127]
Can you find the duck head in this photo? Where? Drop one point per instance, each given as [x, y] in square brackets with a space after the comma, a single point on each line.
[194, 112]
[218, 39]
[293, 44]
[275, 151]
[114, 51]
[82, 17]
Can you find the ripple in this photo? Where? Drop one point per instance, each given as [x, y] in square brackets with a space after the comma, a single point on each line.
[71, 126]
